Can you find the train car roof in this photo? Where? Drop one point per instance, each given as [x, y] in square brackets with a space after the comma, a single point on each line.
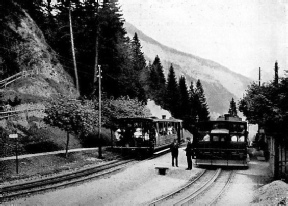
[219, 131]
[220, 121]
[151, 119]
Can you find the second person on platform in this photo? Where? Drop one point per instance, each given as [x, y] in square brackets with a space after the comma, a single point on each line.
[174, 152]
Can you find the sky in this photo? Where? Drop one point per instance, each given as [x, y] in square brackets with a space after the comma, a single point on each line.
[242, 35]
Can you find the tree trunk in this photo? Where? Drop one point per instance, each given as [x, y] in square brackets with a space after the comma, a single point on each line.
[67, 144]
[73, 49]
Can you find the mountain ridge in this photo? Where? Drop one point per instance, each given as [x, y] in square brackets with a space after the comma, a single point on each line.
[220, 83]
[145, 37]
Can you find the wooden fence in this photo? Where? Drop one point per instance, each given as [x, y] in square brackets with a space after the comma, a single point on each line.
[5, 82]
[11, 113]
[278, 156]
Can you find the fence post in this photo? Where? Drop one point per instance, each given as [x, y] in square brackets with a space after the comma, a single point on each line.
[276, 158]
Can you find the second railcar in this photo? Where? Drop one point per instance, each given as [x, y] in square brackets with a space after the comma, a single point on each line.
[150, 134]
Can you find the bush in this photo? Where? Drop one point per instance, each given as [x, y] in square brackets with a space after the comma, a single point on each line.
[92, 140]
[38, 140]
[39, 147]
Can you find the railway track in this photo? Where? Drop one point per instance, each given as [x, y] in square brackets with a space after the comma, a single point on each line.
[48, 183]
[57, 181]
[206, 189]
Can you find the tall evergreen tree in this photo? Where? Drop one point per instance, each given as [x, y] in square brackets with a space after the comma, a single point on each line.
[172, 94]
[233, 108]
[139, 62]
[184, 101]
[193, 102]
[139, 68]
[202, 107]
[157, 82]
[113, 46]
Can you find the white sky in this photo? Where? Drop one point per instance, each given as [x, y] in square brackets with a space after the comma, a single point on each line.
[242, 35]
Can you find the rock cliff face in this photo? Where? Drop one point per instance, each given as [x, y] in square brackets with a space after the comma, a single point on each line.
[220, 84]
[24, 40]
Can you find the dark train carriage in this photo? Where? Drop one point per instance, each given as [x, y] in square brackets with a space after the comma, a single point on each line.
[150, 134]
[221, 142]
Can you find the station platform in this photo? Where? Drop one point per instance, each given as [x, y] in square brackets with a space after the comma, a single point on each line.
[138, 184]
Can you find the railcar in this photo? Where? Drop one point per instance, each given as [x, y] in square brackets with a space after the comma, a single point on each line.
[147, 134]
[222, 142]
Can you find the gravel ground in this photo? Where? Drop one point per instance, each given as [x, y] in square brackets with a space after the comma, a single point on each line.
[140, 184]
[275, 193]
[37, 167]
[136, 185]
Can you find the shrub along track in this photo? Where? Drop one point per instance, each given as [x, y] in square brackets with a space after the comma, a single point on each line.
[48, 183]
[203, 190]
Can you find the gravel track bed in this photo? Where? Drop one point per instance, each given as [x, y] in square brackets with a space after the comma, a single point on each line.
[196, 185]
[138, 184]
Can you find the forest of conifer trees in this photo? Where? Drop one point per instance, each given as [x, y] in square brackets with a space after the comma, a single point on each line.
[85, 34]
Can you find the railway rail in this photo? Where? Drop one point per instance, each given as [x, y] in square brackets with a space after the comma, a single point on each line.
[16, 190]
[206, 189]
[20, 189]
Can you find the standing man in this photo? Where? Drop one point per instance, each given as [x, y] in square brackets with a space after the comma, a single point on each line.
[189, 153]
[174, 152]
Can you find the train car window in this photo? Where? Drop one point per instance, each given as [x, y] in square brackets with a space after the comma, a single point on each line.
[177, 127]
[222, 139]
[216, 138]
[206, 138]
[242, 129]
[241, 139]
[216, 126]
[219, 125]
[138, 133]
[162, 128]
[234, 128]
[234, 138]
[171, 128]
[156, 129]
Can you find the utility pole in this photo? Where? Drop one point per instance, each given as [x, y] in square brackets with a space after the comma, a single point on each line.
[96, 44]
[277, 136]
[276, 74]
[99, 130]
[259, 76]
[73, 48]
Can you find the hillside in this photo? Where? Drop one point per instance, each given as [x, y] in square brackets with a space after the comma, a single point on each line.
[25, 49]
[220, 84]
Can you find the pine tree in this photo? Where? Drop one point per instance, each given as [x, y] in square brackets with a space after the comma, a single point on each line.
[172, 94]
[157, 82]
[192, 103]
[159, 70]
[139, 62]
[139, 69]
[184, 105]
[112, 47]
[233, 108]
[202, 107]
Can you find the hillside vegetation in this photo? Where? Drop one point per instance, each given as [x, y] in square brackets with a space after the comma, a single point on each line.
[57, 42]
